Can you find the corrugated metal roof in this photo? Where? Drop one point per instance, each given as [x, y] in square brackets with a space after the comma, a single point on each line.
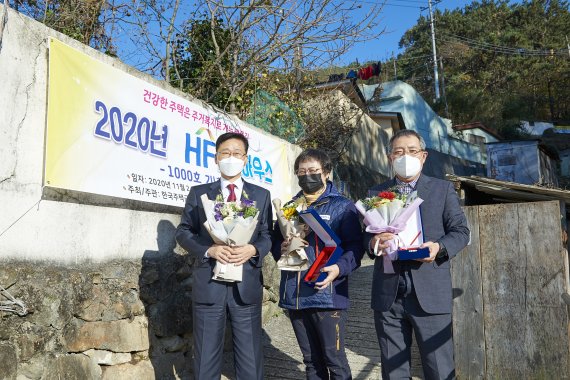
[511, 191]
[479, 125]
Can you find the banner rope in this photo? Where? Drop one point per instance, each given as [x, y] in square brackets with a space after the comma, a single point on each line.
[20, 217]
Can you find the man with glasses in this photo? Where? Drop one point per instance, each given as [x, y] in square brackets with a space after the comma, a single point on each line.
[212, 300]
[417, 298]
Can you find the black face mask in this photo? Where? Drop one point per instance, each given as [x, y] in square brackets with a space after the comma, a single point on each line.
[310, 183]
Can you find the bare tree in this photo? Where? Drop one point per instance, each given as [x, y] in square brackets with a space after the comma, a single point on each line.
[330, 120]
[246, 40]
[266, 35]
[79, 19]
[143, 32]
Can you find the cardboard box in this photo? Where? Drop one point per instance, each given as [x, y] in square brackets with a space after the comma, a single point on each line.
[411, 239]
[327, 255]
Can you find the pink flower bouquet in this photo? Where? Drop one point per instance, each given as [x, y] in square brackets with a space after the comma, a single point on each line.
[389, 211]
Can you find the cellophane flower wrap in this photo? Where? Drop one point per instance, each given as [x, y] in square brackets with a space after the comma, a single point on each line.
[230, 223]
[293, 256]
[388, 211]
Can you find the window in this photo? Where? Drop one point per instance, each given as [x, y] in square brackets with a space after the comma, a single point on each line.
[477, 140]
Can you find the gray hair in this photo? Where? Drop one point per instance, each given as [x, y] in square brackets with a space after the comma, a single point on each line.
[403, 133]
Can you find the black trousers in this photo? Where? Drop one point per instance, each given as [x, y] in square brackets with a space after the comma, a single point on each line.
[320, 334]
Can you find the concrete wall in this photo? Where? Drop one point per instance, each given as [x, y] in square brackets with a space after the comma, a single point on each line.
[364, 162]
[109, 293]
[465, 150]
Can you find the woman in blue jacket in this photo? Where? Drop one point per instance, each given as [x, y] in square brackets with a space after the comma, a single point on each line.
[319, 314]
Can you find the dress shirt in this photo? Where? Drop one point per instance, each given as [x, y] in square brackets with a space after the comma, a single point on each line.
[406, 187]
[237, 190]
[226, 193]
[405, 283]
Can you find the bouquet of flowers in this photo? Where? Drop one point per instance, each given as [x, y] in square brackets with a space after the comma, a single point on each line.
[388, 211]
[293, 256]
[230, 223]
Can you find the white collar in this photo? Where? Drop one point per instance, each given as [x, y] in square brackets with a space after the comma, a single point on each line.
[224, 183]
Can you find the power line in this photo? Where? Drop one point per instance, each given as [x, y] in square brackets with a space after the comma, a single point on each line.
[390, 4]
[485, 46]
[410, 58]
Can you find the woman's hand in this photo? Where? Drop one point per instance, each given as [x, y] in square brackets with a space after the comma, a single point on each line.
[332, 272]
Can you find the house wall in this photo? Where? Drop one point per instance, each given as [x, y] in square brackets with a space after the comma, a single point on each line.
[361, 160]
[548, 171]
[479, 132]
[465, 150]
[565, 162]
[537, 128]
[416, 113]
[441, 164]
[460, 145]
[365, 162]
[387, 124]
[107, 291]
[521, 162]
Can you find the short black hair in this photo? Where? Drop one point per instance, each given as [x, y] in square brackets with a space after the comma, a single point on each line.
[232, 135]
[315, 154]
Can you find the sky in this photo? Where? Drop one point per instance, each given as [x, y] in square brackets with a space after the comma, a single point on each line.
[397, 17]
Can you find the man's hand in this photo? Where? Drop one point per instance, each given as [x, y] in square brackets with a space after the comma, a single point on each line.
[382, 239]
[240, 255]
[433, 250]
[333, 272]
[220, 252]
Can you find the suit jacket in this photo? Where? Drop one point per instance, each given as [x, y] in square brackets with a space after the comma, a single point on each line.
[193, 237]
[444, 222]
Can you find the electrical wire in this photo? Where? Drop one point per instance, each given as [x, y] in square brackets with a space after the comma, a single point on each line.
[485, 46]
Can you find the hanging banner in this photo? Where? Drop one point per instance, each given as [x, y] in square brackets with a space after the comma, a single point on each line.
[113, 134]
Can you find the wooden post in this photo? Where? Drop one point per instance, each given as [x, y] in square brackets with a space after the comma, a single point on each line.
[468, 324]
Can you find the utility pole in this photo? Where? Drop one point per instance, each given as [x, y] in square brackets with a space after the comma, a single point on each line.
[443, 87]
[568, 44]
[395, 69]
[435, 75]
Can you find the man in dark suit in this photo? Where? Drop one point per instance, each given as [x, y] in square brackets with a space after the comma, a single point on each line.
[417, 297]
[212, 300]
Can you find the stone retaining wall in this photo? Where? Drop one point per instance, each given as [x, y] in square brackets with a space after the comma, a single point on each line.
[124, 319]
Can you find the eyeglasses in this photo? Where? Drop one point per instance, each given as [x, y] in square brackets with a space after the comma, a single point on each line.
[399, 152]
[309, 171]
[227, 154]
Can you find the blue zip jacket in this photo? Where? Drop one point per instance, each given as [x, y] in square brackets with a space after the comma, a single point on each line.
[341, 215]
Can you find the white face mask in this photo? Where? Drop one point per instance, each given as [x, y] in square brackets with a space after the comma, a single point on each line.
[407, 166]
[231, 166]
